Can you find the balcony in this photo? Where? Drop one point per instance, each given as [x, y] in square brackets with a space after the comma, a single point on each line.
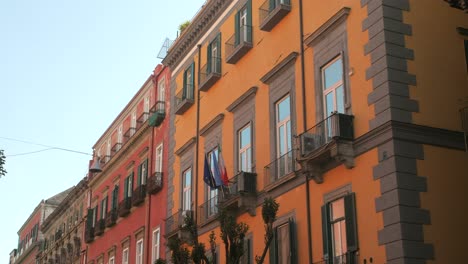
[155, 183]
[100, 226]
[347, 258]
[184, 99]
[210, 74]
[271, 12]
[174, 224]
[328, 142]
[124, 206]
[142, 119]
[241, 193]
[89, 234]
[279, 170]
[208, 211]
[111, 217]
[138, 195]
[239, 44]
[129, 133]
[158, 113]
[117, 146]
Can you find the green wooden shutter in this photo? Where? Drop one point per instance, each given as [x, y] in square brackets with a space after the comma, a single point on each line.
[249, 21]
[192, 68]
[209, 58]
[351, 225]
[125, 188]
[96, 214]
[273, 247]
[218, 59]
[292, 241]
[326, 233]
[237, 29]
[247, 252]
[139, 174]
[130, 183]
[115, 197]
[184, 87]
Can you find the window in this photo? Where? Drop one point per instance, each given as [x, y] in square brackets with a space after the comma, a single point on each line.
[339, 230]
[246, 258]
[108, 150]
[156, 238]
[103, 208]
[142, 173]
[128, 186]
[133, 123]
[283, 137]
[139, 252]
[212, 194]
[111, 260]
[158, 166]
[214, 55]
[146, 105]
[283, 246]
[125, 256]
[187, 190]
[243, 24]
[115, 197]
[245, 149]
[333, 87]
[162, 90]
[189, 75]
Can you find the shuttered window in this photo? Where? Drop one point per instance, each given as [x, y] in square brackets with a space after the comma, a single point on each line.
[142, 173]
[339, 230]
[283, 249]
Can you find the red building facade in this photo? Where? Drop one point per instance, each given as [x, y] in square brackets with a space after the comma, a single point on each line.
[127, 198]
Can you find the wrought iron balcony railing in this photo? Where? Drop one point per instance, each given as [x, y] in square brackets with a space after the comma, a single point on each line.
[184, 99]
[155, 183]
[241, 192]
[210, 73]
[129, 133]
[336, 126]
[157, 114]
[271, 12]
[208, 210]
[142, 119]
[89, 234]
[282, 166]
[239, 44]
[139, 194]
[176, 221]
[347, 258]
[111, 217]
[117, 146]
[99, 227]
[124, 206]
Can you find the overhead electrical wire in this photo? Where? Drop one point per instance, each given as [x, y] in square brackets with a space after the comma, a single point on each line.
[48, 147]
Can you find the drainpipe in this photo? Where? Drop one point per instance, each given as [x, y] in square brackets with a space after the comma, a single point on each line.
[197, 142]
[304, 115]
[150, 169]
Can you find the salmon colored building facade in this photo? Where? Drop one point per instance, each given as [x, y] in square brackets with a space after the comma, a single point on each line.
[127, 199]
[346, 112]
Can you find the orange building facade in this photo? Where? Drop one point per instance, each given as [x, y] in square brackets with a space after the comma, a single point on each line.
[127, 195]
[346, 112]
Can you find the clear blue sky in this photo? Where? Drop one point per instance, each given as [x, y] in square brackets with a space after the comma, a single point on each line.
[67, 68]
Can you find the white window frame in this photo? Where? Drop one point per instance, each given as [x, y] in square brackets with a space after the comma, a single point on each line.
[158, 163]
[119, 136]
[247, 149]
[156, 244]
[108, 150]
[139, 247]
[125, 255]
[282, 125]
[243, 14]
[133, 123]
[186, 190]
[144, 174]
[332, 88]
[112, 260]
[146, 107]
[162, 89]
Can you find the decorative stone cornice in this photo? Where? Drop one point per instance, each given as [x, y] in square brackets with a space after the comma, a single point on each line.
[202, 21]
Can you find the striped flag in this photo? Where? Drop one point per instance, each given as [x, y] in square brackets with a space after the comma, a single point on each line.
[222, 168]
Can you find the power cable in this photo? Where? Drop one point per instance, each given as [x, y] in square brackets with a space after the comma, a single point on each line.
[42, 145]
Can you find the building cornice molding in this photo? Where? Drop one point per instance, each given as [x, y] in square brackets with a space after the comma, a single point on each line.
[337, 18]
[185, 147]
[267, 78]
[244, 97]
[192, 34]
[213, 123]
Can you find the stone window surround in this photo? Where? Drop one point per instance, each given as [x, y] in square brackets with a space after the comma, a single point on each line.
[186, 155]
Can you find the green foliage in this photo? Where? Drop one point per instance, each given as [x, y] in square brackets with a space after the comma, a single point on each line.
[160, 261]
[183, 26]
[232, 234]
[269, 210]
[180, 254]
[2, 164]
